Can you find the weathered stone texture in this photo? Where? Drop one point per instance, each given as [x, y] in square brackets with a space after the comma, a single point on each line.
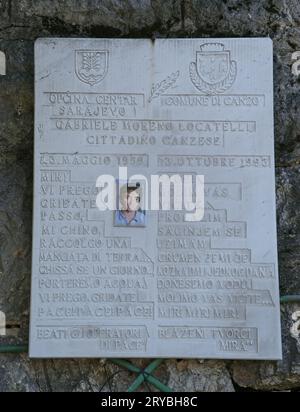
[281, 375]
[21, 22]
[199, 376]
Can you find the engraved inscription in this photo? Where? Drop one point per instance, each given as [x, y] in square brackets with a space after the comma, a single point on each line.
[224, 339]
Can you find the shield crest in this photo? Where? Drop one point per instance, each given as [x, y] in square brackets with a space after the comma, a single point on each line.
[212, 66]
[91, 65]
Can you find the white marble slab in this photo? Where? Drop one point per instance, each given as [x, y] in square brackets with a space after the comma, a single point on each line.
[167, 287]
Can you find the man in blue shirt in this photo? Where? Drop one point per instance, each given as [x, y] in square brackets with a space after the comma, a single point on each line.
[130, 215]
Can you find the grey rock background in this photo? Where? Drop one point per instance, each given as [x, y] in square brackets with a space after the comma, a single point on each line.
[21, 22]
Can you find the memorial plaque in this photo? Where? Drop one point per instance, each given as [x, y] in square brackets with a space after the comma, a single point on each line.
[154, 282]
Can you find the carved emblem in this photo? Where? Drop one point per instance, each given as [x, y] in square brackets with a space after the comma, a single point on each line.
[213, 72]
[91, 65]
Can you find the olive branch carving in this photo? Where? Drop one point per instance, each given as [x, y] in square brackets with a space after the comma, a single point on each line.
[158, 88]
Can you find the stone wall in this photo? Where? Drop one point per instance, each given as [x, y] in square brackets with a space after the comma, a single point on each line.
[21, 22]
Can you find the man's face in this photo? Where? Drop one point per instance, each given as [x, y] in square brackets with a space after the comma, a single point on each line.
[131, 201]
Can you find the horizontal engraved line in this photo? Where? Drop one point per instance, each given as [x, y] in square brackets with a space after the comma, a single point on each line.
[198, 94]
[158, 120]
[93, 154]
[101, 325]
[218, 155]
[99, 93]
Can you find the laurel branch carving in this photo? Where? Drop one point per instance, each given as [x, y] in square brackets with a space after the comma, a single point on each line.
[158, 88]
[219, 87]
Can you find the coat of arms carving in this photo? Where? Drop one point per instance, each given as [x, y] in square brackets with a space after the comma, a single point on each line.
[213, 72]
[91, 65]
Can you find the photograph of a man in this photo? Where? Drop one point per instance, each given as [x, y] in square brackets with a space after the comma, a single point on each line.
[129, 213]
